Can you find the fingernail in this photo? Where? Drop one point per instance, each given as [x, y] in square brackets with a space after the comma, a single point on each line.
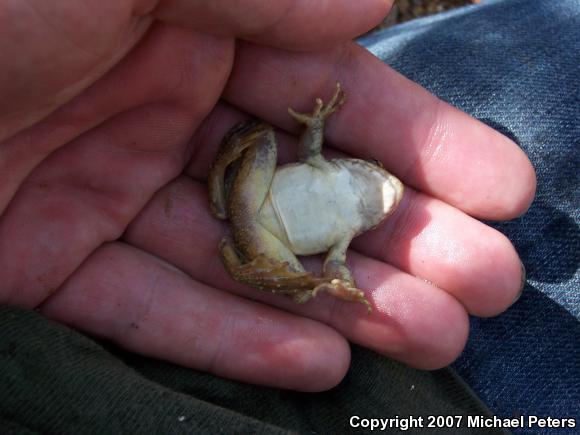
[523, 283]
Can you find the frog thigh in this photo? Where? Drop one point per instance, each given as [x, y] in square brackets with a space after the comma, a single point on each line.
[246, 198]
[237, 140]
[265, 261]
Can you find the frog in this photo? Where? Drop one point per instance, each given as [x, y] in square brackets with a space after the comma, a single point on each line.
[312, 206]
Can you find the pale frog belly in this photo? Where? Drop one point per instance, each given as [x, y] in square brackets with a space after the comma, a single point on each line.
[311, 210]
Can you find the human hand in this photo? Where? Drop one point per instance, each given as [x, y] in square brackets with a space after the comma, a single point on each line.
[102, 111]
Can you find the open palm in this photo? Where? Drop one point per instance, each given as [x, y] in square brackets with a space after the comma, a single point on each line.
[109, 118]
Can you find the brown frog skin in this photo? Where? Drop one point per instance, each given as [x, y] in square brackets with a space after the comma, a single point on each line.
[304, 208]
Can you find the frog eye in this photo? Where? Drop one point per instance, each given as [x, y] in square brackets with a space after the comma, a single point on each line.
[375, 162]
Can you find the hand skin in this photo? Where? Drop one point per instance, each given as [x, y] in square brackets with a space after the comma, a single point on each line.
[110, 115]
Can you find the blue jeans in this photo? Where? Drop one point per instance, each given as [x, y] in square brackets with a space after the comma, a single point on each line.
[515, 65]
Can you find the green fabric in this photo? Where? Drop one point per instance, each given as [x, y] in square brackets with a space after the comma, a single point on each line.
[56, 380]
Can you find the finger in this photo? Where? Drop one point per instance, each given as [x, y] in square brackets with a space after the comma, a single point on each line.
[175, 61]
[424, 237]
[89, 190]
[292, 24]
[470, 260]
[427, 143]
[56, 50]
[407, 312]
[80, 43]
[147, 306]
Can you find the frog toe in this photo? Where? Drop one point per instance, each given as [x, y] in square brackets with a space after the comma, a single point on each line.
[301, 297]
[335, 102]
[343, 290]
[320, 111]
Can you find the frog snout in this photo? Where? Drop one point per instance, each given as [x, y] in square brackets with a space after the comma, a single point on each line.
[398, 187]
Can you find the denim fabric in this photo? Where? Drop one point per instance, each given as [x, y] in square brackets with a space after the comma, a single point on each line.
[515, 65]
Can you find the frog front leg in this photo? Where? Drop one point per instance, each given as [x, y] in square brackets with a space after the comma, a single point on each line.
[341, 283]
[310, 143]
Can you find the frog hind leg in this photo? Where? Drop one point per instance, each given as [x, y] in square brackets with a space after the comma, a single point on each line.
[340, 282]
[273, 273]
[311, 140]
[231, 149]
[255, 256]
[269, 274]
